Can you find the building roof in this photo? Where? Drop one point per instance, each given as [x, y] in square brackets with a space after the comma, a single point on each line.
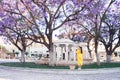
[64, 41]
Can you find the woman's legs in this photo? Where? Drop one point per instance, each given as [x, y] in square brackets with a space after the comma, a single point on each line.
[79, 67]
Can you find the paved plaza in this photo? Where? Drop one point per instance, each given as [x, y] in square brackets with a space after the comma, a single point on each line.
[12, 73]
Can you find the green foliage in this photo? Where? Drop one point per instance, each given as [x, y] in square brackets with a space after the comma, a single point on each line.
[8, 53]
[103, 65]
[33, 65]
[16, 53]
[26, 53]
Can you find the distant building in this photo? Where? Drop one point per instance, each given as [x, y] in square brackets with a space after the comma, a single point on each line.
[62, 49]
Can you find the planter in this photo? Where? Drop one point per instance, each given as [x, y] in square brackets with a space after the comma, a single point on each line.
[72, 67]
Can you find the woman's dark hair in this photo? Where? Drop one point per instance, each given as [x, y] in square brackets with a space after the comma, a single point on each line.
[81, 49]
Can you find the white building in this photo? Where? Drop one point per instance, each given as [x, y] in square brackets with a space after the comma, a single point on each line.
[64, 48]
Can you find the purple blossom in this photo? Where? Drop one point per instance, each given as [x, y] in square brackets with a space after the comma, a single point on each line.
[2, 15]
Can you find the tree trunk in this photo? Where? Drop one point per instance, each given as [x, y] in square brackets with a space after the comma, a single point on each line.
[88, 47]
[22, 56]
[96, 52]
[98, 58]
[108, 55]
[51, 60]
[108, 58]
[52, 57]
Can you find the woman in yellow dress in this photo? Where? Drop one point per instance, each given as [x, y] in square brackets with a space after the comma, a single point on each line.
[79, 53]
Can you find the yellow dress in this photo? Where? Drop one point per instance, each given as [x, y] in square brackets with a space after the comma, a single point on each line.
[79, 57]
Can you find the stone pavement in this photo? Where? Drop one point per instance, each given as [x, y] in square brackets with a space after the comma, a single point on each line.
[13, 73]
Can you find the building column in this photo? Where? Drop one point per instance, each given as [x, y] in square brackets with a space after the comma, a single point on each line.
[58, 53]
[67, 51]
[54, 52]
[74, 51]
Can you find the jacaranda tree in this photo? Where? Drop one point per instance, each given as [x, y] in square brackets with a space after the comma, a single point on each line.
[14, 29]
[43, 17]
[98, 17]
[110, 29]
[94, 23]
